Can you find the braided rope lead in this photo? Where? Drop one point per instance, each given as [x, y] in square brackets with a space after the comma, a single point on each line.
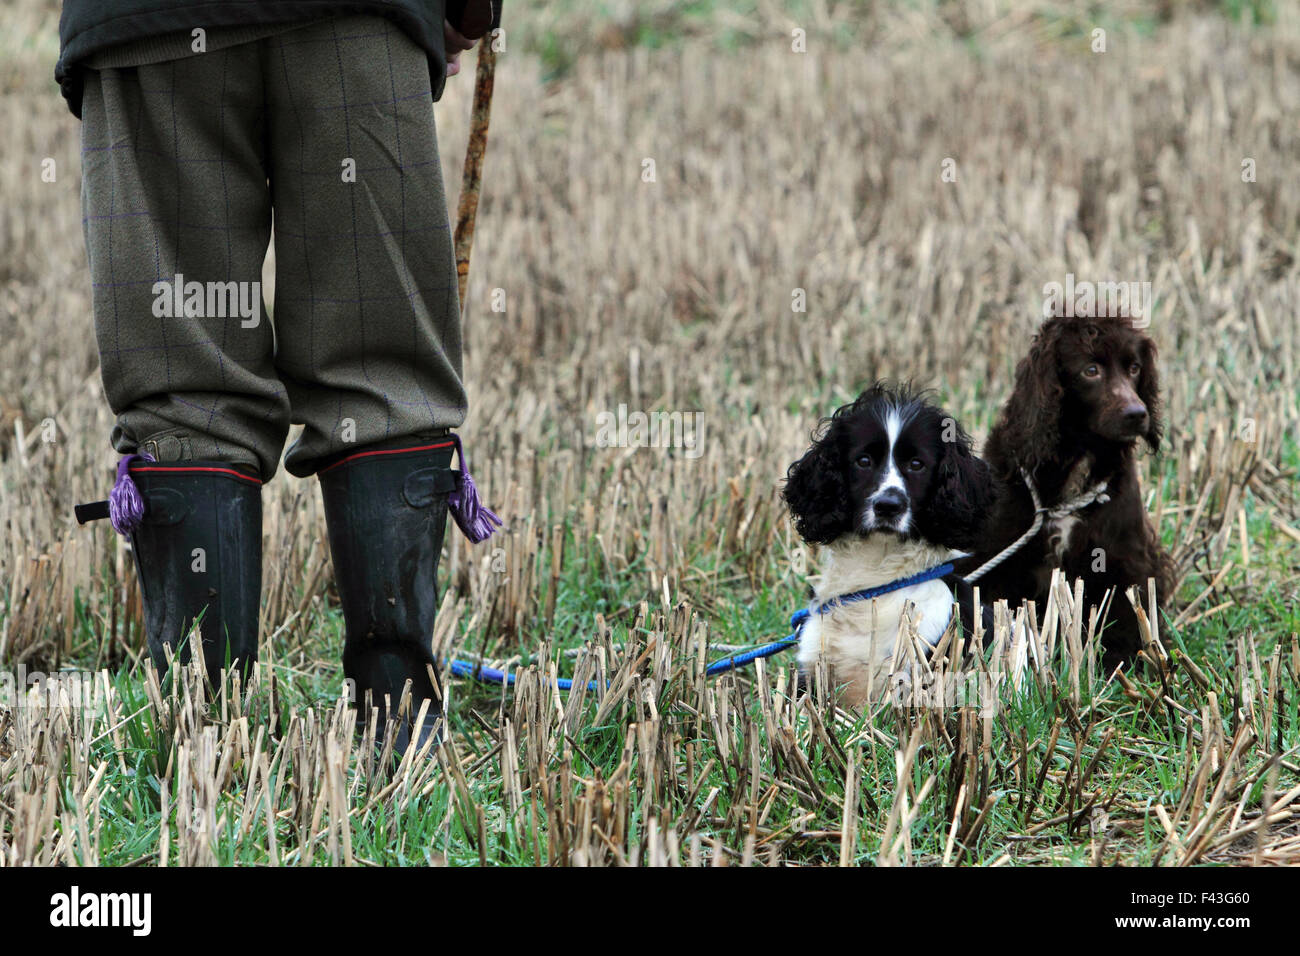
[472, 180]
[1096, 494]
[801, 616]
[491, 675]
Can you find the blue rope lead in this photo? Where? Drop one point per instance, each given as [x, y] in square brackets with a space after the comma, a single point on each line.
[867, 594]
[748, 657]
[800, 617]
[491, 675]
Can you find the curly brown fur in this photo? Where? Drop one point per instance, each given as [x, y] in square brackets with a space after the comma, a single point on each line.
[1087, 392]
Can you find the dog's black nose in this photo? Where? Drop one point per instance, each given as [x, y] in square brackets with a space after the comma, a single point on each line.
[890, 504]
[1135, 414]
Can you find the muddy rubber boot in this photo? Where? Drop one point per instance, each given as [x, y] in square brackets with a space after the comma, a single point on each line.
[386, 511]
[198, 552]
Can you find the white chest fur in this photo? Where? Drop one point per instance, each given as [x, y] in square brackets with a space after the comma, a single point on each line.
[1060, 529]
[1058, 535]
[859, 642]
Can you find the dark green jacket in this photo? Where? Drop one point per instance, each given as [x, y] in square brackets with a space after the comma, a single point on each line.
[88, 26]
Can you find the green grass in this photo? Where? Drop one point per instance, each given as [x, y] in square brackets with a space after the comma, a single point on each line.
[1123, 755]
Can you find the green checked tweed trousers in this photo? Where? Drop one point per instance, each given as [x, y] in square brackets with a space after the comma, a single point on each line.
[328, 129]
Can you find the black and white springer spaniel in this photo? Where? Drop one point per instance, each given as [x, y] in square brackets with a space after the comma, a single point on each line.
[891, 490]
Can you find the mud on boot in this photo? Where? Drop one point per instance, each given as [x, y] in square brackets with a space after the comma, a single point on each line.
[196, 537]
[386, 511]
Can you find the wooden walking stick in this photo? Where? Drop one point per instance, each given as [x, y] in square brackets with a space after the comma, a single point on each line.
[473, 177]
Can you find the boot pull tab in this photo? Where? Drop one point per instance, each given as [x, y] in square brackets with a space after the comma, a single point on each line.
[477, 521]
[423, 487]
[167, 506]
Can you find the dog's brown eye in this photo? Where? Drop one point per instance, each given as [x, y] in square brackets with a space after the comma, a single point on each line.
[916, 464]
[864, 461]
[1091, 371]
[1135, 369]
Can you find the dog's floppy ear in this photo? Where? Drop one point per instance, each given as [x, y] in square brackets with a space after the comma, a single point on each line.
[962, 494]
[1148, 389]
[1031, 419]
[816, 489]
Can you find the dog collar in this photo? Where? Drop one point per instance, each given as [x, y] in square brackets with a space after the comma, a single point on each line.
[799, 617]
[1094, 495]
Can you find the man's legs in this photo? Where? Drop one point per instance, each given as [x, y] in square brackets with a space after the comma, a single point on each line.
[365, 303]
[368, 332]
[173, 184]
[177, 218]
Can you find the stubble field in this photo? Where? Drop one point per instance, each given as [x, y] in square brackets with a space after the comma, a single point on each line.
[778, 177]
